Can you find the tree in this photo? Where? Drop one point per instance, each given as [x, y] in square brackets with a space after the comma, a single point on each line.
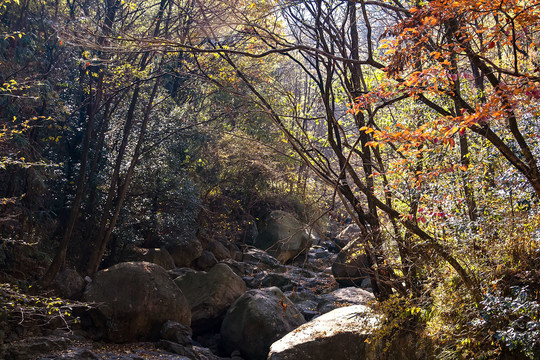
[482, 67]
[102, 71]
[328, 44]
[29, 106]
[439, 63]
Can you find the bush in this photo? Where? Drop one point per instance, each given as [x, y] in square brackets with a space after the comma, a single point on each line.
[513, 320]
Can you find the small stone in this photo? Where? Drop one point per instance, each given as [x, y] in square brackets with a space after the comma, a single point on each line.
[176, 332]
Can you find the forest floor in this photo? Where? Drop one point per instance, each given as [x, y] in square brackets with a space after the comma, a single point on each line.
[81, 349]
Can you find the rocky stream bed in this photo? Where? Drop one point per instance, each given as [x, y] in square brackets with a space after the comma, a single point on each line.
[216, 300]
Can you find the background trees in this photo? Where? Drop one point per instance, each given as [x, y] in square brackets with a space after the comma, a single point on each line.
[119, 106]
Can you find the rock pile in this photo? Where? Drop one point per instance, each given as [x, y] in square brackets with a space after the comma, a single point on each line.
[234, 300]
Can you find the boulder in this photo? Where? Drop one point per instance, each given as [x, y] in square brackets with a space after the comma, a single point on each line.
[219, 250]
[69, 284]
[133, 301]
[257, 319]
[185, 251]
[209, 294]
[177, 333]
[347, 333]
[262, 260]
[159, 256]
[205, 261]
[352, 266]
[344, 297]
[283, 236]
[337, 335]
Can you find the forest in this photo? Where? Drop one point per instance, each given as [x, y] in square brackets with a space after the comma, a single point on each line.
[269, 179]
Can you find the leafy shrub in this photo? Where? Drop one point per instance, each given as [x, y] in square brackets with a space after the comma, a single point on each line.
[514, 320]
[20, 310]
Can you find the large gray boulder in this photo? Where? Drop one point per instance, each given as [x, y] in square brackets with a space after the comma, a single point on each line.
[210, 294]
[347, 333]
[185, 251]
[283, 236]
[256, 320]
[352, 266]
[337, 335]
[133, 301]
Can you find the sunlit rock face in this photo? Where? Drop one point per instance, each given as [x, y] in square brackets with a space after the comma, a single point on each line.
[347, 333]
[337, 335]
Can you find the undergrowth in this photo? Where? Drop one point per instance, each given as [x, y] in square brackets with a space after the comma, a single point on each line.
[445, 318]
[20, 311]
